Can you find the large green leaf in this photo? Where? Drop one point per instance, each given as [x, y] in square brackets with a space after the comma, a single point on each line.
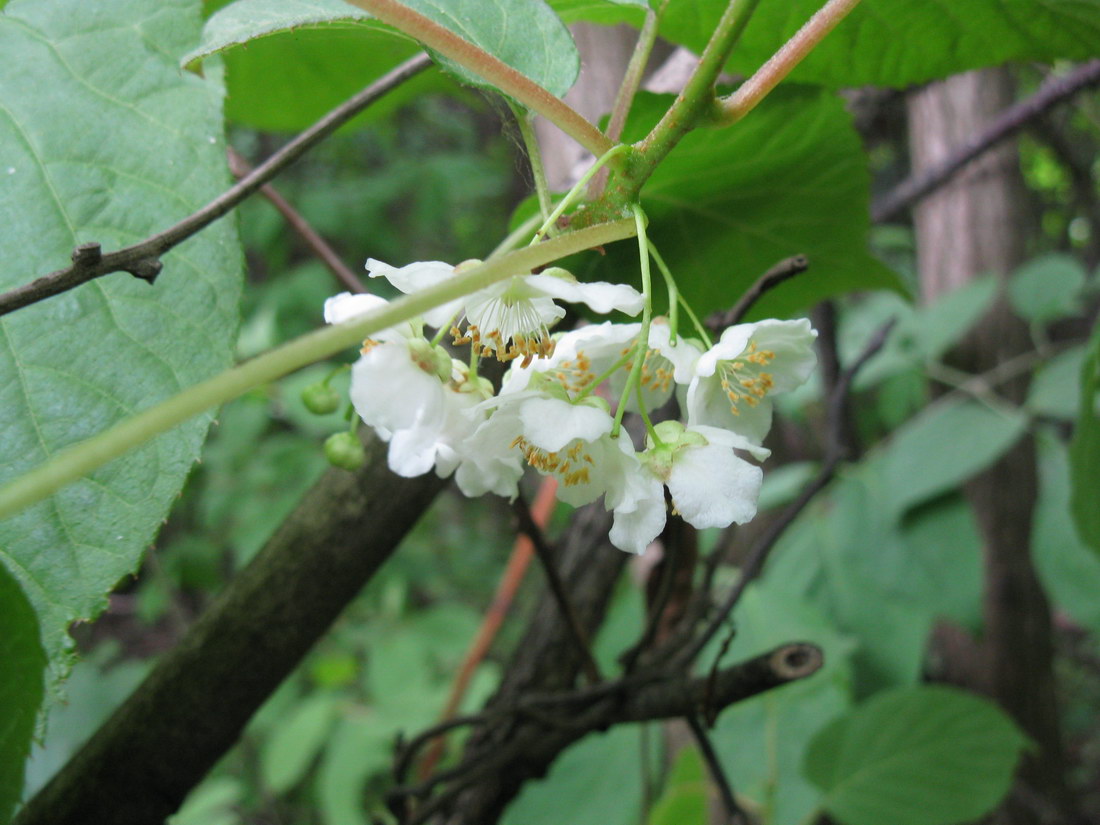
[902, 42]
[1085, 451]
[729, 203]
[924, 458]
[1069, 570]
[21, 688]
[104, 139]
[304, 56]
[915, 756]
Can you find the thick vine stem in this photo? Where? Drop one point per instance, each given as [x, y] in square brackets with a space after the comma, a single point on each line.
[191, 708]
[73, 463]
[767, 77]
[509, 81]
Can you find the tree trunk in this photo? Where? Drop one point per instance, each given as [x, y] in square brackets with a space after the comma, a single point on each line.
[980, 223]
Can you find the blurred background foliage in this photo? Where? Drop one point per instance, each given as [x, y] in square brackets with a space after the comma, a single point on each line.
[890, 549]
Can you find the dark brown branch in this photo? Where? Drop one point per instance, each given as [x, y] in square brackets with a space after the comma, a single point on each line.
[1009, 122]
[834, 454]
[782, 271]
[318, 245]
[480, 794]
[143, 259]
[557, 589]
[734, 814]
[194, 704]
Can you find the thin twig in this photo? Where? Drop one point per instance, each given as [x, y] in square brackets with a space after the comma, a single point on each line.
[790, 54]
[143, 259]
[734, 814]
[557, 588]
[782, 271]
[518, 562]
[1006, 124]
[834, 453]
[406, 751]
[241, 168]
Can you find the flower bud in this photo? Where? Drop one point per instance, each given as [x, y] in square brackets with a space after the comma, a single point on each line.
[345, 451]
[320, 399]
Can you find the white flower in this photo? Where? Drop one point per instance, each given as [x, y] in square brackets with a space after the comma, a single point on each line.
[571, 442]
[735, 379]
[585, 354]
[709, 484]
[415, 277]
[511, 318]
[413, 394]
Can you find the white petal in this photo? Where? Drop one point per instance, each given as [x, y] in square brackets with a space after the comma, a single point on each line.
[345, 306]
[708, 405]
[635, 530]
[712, 487]
[415, 277]
[550, 423]
[683, 356]
[388, 390]
[412, 452]
[733, 440]
[601, 296]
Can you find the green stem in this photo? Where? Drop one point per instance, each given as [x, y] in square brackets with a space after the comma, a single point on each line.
[632, 78]
[752, 91]
[518, 235]
[443, 330]
[603, 376]
[696, 102]
[642, 346]
[651, 431]
[673, 293]
[502, 76]
[575, 192]
[534, 157]
[77, 461]
[704, 333]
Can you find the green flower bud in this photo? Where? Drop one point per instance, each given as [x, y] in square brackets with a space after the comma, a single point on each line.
[345, 451]
[320, 399]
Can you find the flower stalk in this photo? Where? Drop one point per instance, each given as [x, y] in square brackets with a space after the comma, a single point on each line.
[73, 463]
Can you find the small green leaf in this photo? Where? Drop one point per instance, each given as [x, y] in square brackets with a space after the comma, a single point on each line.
[79, 362]
[22, 667]
[1047, 288]
[1069, 570]
[1056, 388]
[915, 756]
[1085, 449]
[902, 42]
[924, 460]
[686, 793]
[295, 743]
[727, 204]
[603, 771]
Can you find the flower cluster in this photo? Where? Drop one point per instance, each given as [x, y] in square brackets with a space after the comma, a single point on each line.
[552, 412]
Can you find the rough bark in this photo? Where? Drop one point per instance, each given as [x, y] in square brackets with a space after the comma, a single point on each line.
[978, 224]
[139, 766]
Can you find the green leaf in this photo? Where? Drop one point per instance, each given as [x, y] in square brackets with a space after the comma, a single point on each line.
[924, 460]
[79, 362]
[598, 781]
[761, 742]
[1047, 288]
[1084, 453]
[685, 798]
[915, 756]
[321, 40]
[360, 747]
[902, 42]
[1056, 388]
[22, 663]
[300, 59]
[727, 204]
[1069, 570]
[293, 745]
